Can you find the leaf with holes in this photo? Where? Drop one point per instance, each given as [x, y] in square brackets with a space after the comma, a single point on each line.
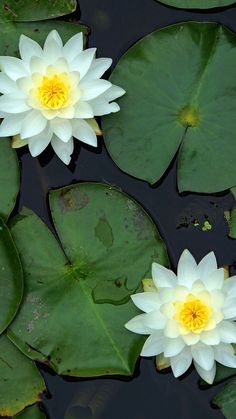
[11, 278]
[20, 381]
[32, 10]
[175, 105]
[60, 322]
[197, 4]
[9, 177]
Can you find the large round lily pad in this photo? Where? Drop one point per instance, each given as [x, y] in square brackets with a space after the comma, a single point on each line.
[197, 4]
[181, 99]
[20, 381]
[9, 177]
[32, 10]
[68, 319]
[32, 412]
[11, 278]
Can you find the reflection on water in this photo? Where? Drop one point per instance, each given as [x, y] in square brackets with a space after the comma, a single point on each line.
[116, 25]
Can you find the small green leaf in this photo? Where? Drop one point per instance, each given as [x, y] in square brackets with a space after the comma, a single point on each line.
[33, 10]
[20, 381]
[32, 412]
[175, 105]
[11, 278]
[162, 363]
[61, 285]
[232, 224]
[197, 4]
[226, 400]
[9, 177]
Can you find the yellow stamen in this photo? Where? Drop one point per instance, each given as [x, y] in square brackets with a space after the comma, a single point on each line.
[53, 92]
[193, 314]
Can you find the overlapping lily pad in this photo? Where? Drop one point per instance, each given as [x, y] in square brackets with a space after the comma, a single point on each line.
[226, 400]
[9, 177]
[175, 105]
[105, 236]
[11, 278]
[32, 412]
[197, 4]
[20, 382]
[32, 10]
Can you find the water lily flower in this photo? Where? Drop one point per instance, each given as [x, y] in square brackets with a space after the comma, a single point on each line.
[52, 94]
[189, 316]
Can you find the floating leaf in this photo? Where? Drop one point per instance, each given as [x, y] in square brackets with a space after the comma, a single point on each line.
[175, 104]
[10, 33]
[226, 400]
[11, 278]
[33, 10]
[197, 4]
[9, 178]
[20, 381]
[32, 412]
[59, 322]
[112, 291]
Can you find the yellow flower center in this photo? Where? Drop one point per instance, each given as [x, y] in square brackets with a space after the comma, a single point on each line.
[53, 92]
[193, 314]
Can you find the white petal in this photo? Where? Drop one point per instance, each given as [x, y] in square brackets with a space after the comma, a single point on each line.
[83, 61]
[224, 354]
[62, 128]
[137, 325]
[12, 104]
[154, 345]
[230, 286]
[181, 362]
[163, 277]
[73, 47]
[113, 93]
[52, 51]
[207, 265]
[214, 281]
[38, 65]
[155, 320]
[98, 68]
[53, 36]
[38, 143]
[101, 107]
[229, 308]
[25, 84]
[11, 125]
[83, 132]
[67, 113]
[191, 338]
[173, 347]
[83, 110]
[29, 48]
[13, 67]
[203, 355]
[7, 85]
[207, 376]
[211, 337]
[63, 150]
[33, 124]
[187, 272]
[171, 329]
[146, 301]
[227, 331]
[92, 88]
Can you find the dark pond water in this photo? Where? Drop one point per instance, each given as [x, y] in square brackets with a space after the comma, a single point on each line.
[115, 26]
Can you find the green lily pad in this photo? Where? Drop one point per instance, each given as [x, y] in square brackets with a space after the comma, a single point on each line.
[9, 178]
[32, 10]
[32, 412]
[226, 400]
[197, 4]
[232, 224]
[59, 321]
[175, 105]
[11, 278]
[20, 381]
[10, 33]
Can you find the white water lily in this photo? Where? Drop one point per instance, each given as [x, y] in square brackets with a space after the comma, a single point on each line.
[190, 316]
[52, 94]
